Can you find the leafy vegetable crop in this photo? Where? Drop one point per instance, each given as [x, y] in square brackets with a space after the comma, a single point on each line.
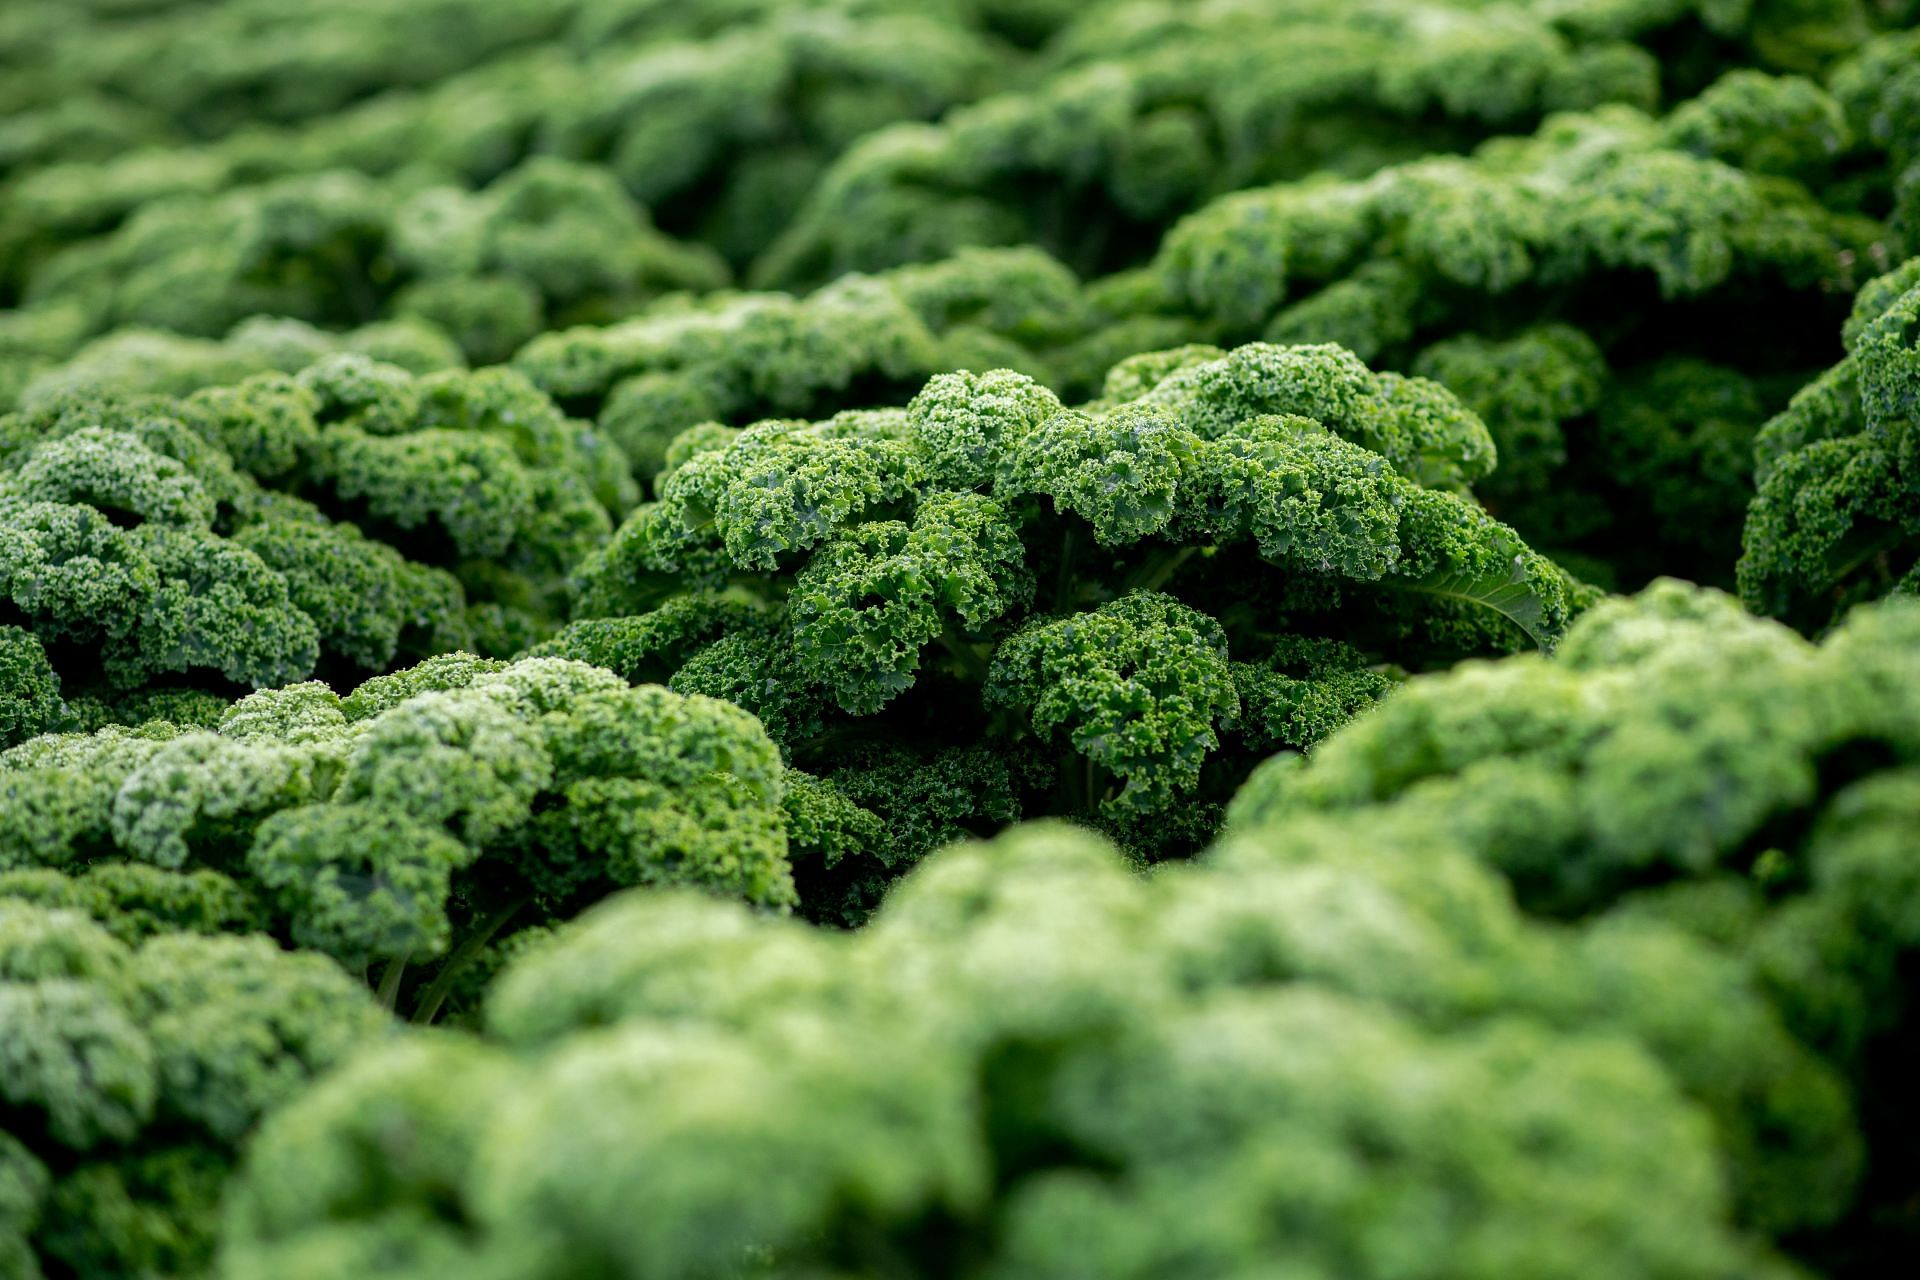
[966, 639]
[1124, 604]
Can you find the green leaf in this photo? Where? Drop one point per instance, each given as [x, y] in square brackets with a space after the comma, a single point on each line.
[1515, 595]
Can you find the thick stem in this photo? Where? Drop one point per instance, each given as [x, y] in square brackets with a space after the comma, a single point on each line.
[1063, 580]
[965, 654]
[442, 986]
[1860, 548]
[1085, 785]
[1160, 568]
[390, 980]
[1074, 790]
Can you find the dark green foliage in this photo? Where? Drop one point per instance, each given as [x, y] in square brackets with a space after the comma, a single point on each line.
[492, 188]
[1149, 109]
[1096, 587]
[1641, 241]
[1766, 124]
[1261, 1061]
[134, 901]
[1879, 87]
[737, 357]
[449, 801]
[342, 520]
[1682, 762]
[1837, 516]
[359, 881]
[1304, 690]
[485, 270]
[1623, 300]
[1524, 388]
[132, 1070]
[1137, 686]
[29, 690]
[1611, 256]
[444, 580]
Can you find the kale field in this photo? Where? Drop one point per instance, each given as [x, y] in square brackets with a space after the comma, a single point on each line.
[959, 639]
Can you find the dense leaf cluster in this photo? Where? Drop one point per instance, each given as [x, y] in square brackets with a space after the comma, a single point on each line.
[1344, 1010]
[967, 638]
[1126, 603]
[463, 796]
[1622, 299]
[1837, 516]
[135, 1058]
[249, 535]
[1682, 762]
[1034, 1063]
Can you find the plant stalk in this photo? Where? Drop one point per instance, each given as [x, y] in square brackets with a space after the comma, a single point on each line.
[442, 985]
[954, 643]
[390, 980]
